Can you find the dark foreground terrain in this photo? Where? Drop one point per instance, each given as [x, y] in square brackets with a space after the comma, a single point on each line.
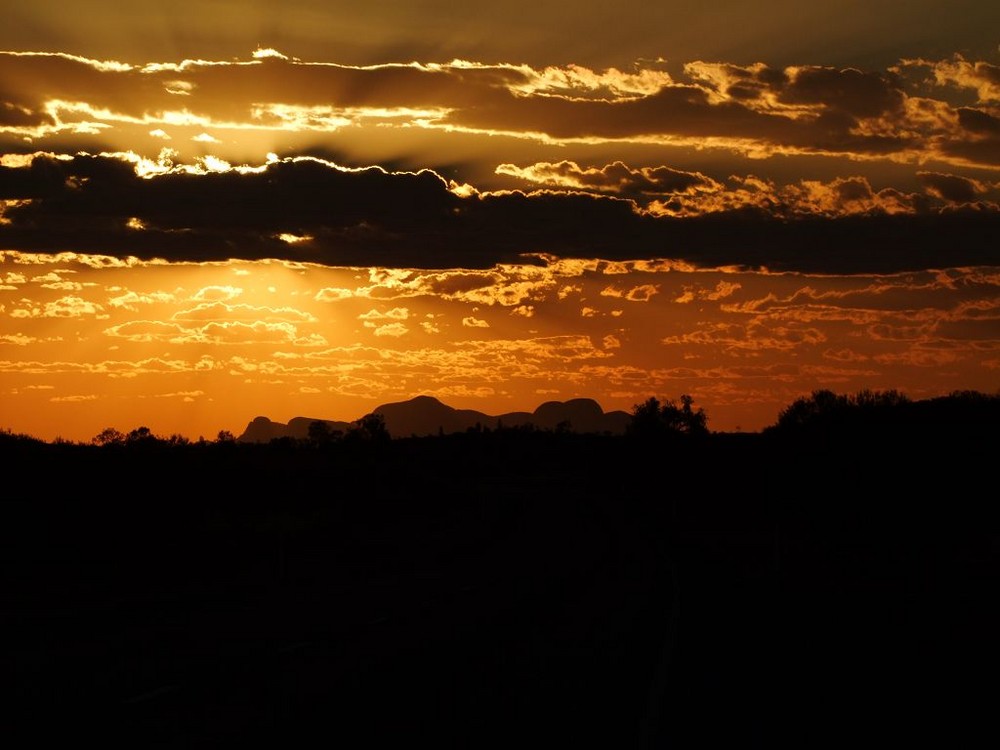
[505, 589]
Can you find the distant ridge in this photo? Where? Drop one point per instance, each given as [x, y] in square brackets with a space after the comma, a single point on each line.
[425, 415]
[263, 430]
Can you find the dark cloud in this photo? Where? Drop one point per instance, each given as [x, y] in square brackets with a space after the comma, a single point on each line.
[951, 187]
[805, 109]
[372, 217]
[977, 121]
[13, 114]
[617, 177]
[231, 92]
[822, 111]
[856, 93]
[972, 153]
[589, 32]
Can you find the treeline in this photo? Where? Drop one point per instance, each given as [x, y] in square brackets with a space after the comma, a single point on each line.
[823, 412]
[479, 587]
[826, 412]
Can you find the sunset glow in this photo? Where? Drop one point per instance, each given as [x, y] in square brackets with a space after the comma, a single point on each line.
[191, 236]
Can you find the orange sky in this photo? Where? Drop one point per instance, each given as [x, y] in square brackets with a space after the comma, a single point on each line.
[309, 214]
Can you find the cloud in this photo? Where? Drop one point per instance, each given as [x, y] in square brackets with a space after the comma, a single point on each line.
[391, 329]
[217, 293]
[184, 395]
[396, 313]
[845, 355]
[753, 109]
[616, 178]
[735, 339]
[333, 294]
[918, 357]
[411, 220]
[131, 300]
[64, 307]
[110, 368]
[640, 293]
[722, 290]
[980, 76]
[952, 188]
[472, 322]
[214, 332]
[17, 339]
[224, 312]
[849, 91]
[509, 288]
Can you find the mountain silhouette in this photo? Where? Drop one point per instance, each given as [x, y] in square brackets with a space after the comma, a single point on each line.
[425, 415]
[263, 430]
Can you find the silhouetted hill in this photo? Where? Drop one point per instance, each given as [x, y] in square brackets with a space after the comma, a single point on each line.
[426, 415]
[263, 430]
[582, 415]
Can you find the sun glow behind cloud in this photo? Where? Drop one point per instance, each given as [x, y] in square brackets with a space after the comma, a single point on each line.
[321, 236]
[350, 338]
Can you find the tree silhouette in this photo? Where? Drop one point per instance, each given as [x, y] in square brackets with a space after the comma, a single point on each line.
[826, 409]
[319, 432]
[108, 436]
[140, 435]
[370, 428]
[655, 419]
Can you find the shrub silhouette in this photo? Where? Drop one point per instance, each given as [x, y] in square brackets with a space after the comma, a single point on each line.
[654, 419]
[370, 429]
[824, 409]
[108, 436]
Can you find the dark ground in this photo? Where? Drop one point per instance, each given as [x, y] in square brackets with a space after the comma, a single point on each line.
[499, 590]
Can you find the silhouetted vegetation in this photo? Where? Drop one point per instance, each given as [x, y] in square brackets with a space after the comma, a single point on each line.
[830, 578]
[652, 419]
[870, 413]
[370, 428]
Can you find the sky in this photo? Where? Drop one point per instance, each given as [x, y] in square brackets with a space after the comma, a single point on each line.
[215, 210]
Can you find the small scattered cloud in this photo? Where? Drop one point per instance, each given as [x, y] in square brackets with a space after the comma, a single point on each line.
[642, 293]
[396, 313]
[217, 293]
[64, 307]
[131, 300]
[333, 294]
[394, 330]
[17, 339]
